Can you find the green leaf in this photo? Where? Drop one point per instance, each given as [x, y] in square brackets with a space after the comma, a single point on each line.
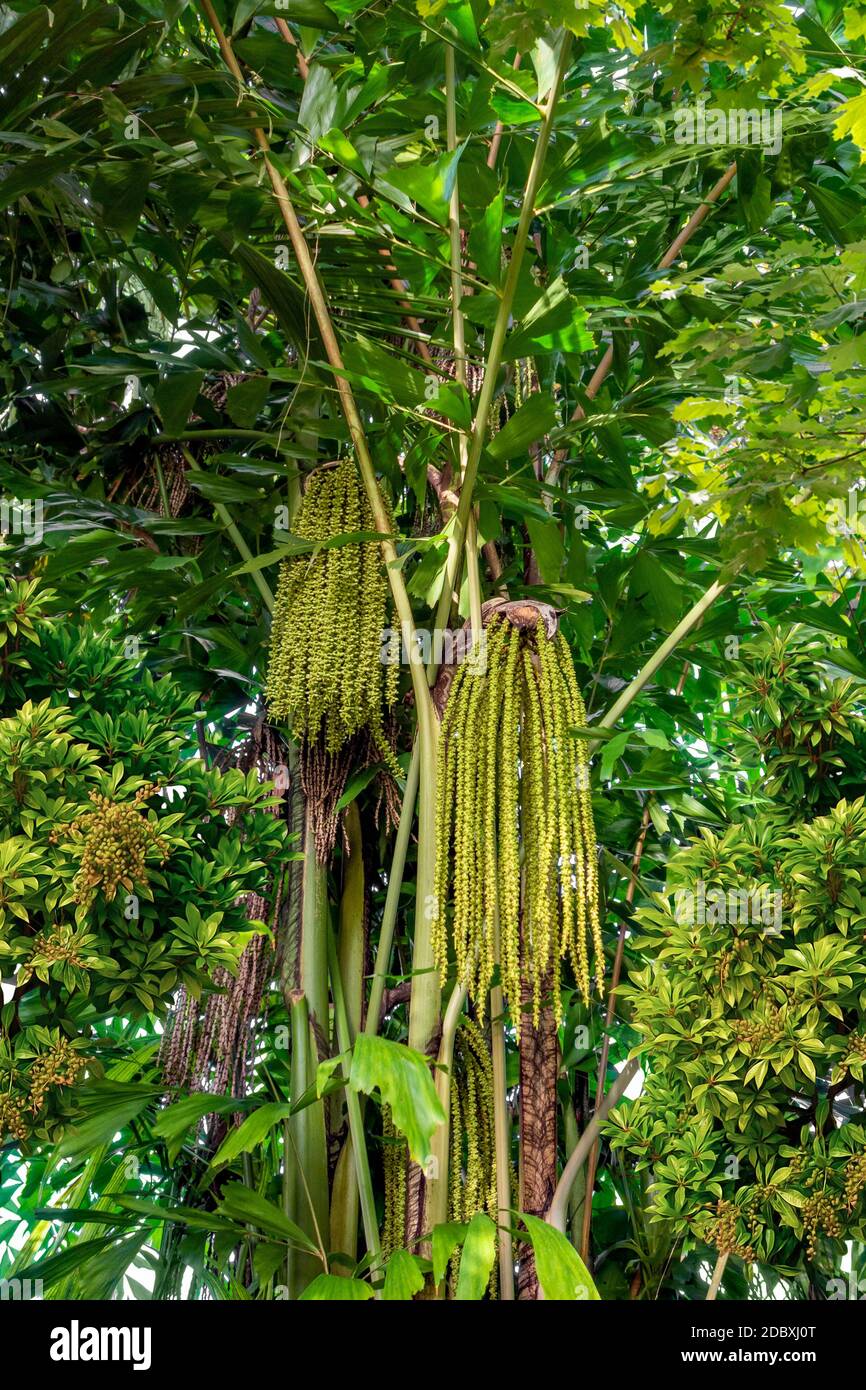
[175, 1122]
[120, 187]
[445, 1240]
[651, 584]
[245, 1137]
[535, 418]
[561, 1272]
[403, 1277]
[477, 1259]
[548, 547]
[485, 240]
[333, 1288]
[240, 1203]
[310, 12]
[403, 1079]
[555, 322]
[427, 182]
[611, 752]
[57, 1267]
[82, 1139]
[245, 402]
[175, 397]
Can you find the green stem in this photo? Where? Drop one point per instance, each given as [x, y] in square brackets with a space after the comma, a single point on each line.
[685, 626]
[240, 544]
[356, 1119]
[558, 1212]
[437, 1181]
[351, 949]
[309, 1012]
[500, 329]
[307, 1184]
[392, 898]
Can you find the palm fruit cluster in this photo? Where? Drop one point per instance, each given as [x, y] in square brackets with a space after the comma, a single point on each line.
[512, 776]
[725, 1230]
[117, 838]
[60, 1066]
[13, 1119]
[325, 677]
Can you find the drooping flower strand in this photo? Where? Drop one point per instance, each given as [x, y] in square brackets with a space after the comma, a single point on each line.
[395, 1158]
[472, 1139]
[514, 786]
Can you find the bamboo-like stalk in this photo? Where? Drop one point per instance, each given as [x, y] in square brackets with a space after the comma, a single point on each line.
[356, 1119]
[558, 1213]
[500, 330]
[424, 1013]
[350, 949]
[392, 898]
[683, 628]
[307, 1000]
[716, 1280]
[306, 1186]
[437, 1180]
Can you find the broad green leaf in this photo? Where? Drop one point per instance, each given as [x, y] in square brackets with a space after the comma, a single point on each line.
[403, 1079]
[247, 1136]
[101, 1128]
[333, 1288]
[120, 187]
[176, 1120]
[548, 547]
[445, 1240]
[485, 240]
[477, 1258]
[245, 401]
[403, 1277]
[241, 1203]
[175, 397]
[527, 426]
[561, 1272]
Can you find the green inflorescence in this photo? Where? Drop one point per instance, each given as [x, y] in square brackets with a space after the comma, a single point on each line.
[395, 1157]
[512, 777]
[326, 676]
[472, 1159]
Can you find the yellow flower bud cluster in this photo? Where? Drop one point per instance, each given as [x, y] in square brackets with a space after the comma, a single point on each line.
[516, 839]
[117, 839]
[325, 677]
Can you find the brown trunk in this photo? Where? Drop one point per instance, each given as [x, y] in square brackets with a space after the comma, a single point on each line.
[538, 1072]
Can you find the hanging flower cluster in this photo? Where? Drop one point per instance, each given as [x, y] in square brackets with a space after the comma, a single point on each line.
[326, 678]
[516, 851]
